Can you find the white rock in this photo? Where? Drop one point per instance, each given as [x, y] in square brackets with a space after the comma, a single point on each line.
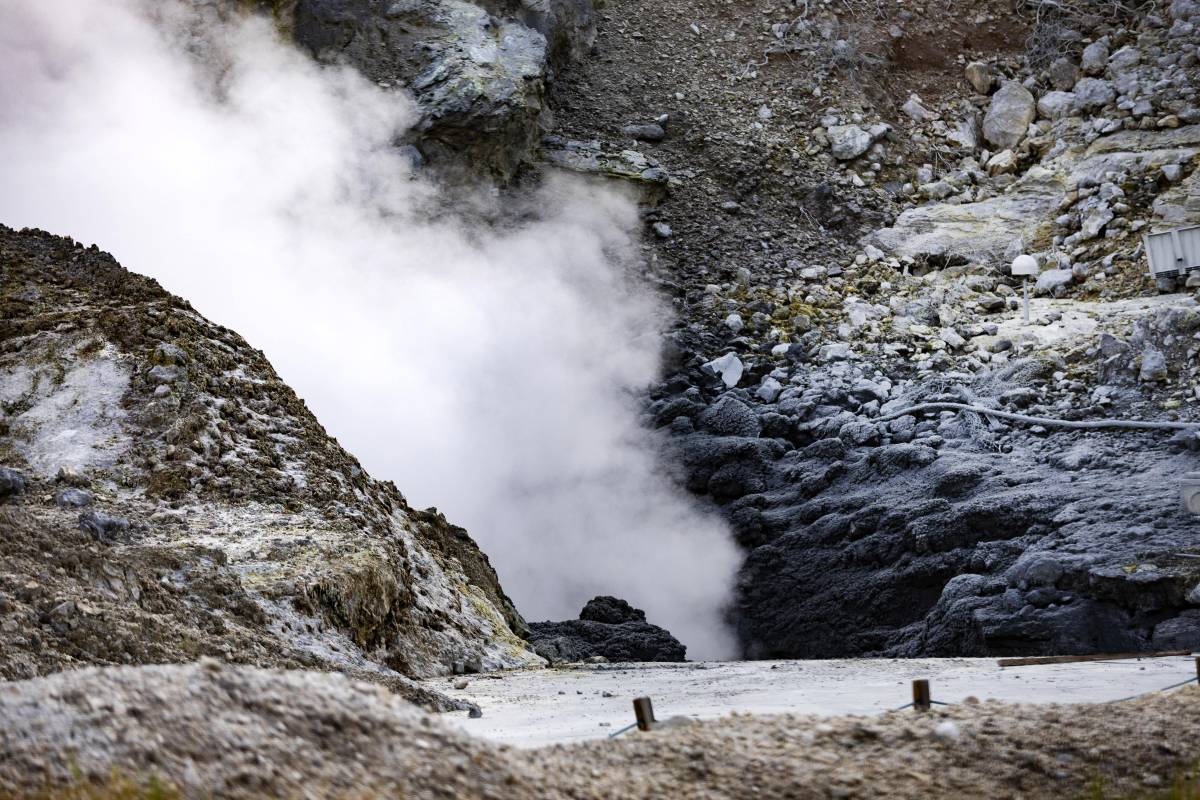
[848, 141]
[947, 731]
[979, 75]
[734, 322]
[729, 367]
[916, 110]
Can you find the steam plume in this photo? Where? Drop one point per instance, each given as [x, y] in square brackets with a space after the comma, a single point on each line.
[488, 372]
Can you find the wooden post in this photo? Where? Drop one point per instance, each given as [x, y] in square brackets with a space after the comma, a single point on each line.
[1198, 668]
[921, 698]
[644, 711]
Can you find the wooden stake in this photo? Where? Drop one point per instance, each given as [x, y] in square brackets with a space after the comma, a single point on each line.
[1198, 668]
[644, 711]
[921, 698]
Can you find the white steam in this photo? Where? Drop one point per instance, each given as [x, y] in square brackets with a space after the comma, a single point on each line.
[488, 373]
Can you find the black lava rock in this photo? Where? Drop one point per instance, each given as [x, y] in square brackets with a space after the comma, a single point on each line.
[611, 610]
[12, 483]
[607, 627]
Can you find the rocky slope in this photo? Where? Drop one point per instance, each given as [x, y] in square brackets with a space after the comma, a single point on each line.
[168, 497]
[848, 184]
[213, 730]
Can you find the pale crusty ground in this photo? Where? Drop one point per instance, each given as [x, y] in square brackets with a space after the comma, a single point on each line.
[569, 704]
[211, 730]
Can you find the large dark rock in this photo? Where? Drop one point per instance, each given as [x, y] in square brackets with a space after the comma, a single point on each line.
[607, 627]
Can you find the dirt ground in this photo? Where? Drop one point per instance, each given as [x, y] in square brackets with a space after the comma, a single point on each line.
[210, 730]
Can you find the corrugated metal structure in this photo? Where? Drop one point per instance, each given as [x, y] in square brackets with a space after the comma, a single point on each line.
[1173, 252]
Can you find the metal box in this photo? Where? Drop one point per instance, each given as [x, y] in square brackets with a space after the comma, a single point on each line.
[1173, 252]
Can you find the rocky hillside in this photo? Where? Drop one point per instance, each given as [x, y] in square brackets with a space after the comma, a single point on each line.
[848, 183]
[166, 496]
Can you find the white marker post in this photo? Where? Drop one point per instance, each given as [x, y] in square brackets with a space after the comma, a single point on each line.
[1025, 266]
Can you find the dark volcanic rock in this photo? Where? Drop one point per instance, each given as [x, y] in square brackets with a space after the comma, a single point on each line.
[607, 627]
[12, 483]
[900, 550]
[611, 610]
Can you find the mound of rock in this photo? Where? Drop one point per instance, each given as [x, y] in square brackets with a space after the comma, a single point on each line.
[607, 627]
[167, 496]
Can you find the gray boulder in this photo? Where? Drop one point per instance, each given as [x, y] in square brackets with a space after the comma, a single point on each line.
[1063, 74]
[102, 527]
[1154, 365]
[1056, 105]
[73, 498]
[979, 75]
[1052, 279]
[1095, 57]
[1008, 117]
[1093, 93]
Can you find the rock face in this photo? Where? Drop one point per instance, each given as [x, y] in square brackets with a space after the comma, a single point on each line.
[477, 71]
[223, 521]
[983, 230]
[607, 627]
[915, 537]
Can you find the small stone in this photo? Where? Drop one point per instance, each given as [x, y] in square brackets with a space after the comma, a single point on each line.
[913, 108]
[1056, 105]
[73, 498]
[848, 141]
[729, 367]
[662, 230]
[1063, 74]
[1093, 93]
[979, 75]
[645, 133]
[1154, 366]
